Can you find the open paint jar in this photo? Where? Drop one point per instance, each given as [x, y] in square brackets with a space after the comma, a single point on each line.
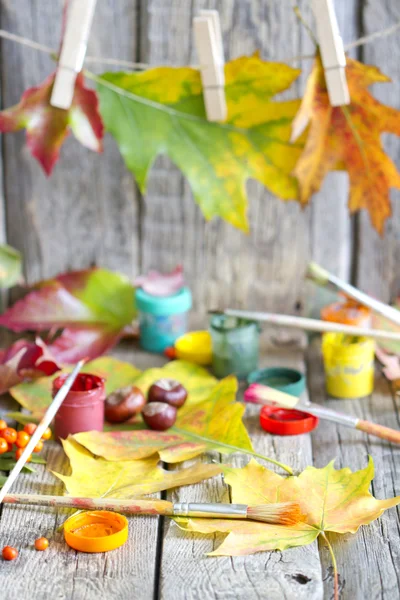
[349, 365]
[162, 319]
[96, 531]
[347, 312]
[83, 407]
[235, 346]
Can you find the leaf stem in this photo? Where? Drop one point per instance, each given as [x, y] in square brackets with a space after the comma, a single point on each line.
[297, 12]
[214, 443]
[335, 571]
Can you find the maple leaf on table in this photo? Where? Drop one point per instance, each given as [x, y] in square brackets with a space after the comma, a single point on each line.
[93, 306]
[330, 500]
[161, 111]
[47, 126]
[348, 138]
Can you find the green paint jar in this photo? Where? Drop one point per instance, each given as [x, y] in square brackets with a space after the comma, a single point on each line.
[235, 346]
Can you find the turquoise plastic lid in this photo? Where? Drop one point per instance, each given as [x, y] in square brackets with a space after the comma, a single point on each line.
[168, 305]
[286, 380]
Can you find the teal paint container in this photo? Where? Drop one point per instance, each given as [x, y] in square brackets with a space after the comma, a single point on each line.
[162, 319]
[235, 346]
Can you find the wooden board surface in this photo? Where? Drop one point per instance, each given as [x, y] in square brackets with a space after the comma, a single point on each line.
[161, 561]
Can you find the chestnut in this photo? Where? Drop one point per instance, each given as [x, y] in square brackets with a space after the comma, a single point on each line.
[122, 404]
[169, 391]
[159, 415]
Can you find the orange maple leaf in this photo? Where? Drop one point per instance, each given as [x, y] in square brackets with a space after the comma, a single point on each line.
[348, 138]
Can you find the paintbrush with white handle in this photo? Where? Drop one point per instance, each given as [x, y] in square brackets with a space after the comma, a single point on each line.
[41, 428]
[307, 324]
[279, 513]
[257, 393]
[322, 277]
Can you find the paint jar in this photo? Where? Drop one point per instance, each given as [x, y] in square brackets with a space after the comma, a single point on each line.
[96, 531]
[347, 312]
[162, 320]
[83, 407]
[235, 346]
[349, 365]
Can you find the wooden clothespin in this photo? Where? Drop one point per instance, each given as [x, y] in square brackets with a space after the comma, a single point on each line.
[77, 28]
[332, 52]
[208, 37]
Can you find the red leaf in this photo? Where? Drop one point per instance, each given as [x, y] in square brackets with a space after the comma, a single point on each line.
[47, 126]
[94, 306]
[158, 284]
[25, 360]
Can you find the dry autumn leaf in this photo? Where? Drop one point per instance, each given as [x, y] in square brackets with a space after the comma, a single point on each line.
[47, 126]
[124, 479]
[161, 111]
[348, 138]
[331, 501]
[213, 424]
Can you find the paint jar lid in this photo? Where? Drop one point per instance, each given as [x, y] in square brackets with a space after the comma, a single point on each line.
[164, 305]
[286, 421]
[195, 347]
[96, 531]
[285, 380]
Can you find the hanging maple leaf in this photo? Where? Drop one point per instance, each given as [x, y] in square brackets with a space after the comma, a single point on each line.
[348, 138]
[330, 500]
[47, 126]
[93, 306]
[124, 479]
[161, 111]
[212, 424]
[10, 266]
[25, 360]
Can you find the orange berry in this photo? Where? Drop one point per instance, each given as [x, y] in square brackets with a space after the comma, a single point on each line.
[10, 447]
[3, 424]
[22, 439]
[41, 543]
[9, 553]
[38, 447]
[3, 445]
[30, 428]
[47, 434]
[19, 452]
[9, 434]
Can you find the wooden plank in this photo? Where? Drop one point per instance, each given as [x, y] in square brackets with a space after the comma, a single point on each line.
[186, 572]
[61, 572]
[86, 213]
[378, 258]
[375, 548]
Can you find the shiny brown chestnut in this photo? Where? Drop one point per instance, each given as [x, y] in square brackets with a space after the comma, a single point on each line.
[159, 415]
[169, 391]
[123, 404]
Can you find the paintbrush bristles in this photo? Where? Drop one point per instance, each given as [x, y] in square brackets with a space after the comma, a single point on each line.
[283, 513]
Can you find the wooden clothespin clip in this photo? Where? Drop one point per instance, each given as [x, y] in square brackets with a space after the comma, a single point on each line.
[332, 52]
[208, 37]
[78, 23]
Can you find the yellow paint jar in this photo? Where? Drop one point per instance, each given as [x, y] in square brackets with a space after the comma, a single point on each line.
[96, 531]
[349, 365]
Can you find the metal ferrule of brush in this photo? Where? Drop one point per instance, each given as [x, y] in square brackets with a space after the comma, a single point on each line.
[193, 509]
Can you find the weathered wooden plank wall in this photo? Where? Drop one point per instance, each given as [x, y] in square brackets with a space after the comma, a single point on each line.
[90, 212]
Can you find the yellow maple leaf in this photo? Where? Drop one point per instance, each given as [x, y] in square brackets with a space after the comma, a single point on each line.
[348, 138]
[124, 479]
[330, 500]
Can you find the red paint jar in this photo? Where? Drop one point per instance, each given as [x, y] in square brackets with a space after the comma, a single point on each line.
[83, 408]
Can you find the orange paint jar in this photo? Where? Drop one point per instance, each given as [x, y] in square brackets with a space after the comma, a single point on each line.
[347, 312]
[96, 531]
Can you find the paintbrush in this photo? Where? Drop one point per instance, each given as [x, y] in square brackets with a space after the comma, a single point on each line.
[322, 277]
[41, 428]
[307, 324]
[262, 394]
[280, 513]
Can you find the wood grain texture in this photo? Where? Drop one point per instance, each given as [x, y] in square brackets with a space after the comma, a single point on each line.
[367, 561]
[378, 258]
[185, 571]
[86, 213]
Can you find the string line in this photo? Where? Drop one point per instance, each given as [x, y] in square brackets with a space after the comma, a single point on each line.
[366, 39]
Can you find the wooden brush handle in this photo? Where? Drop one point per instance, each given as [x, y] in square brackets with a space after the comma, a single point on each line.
[386, 433]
